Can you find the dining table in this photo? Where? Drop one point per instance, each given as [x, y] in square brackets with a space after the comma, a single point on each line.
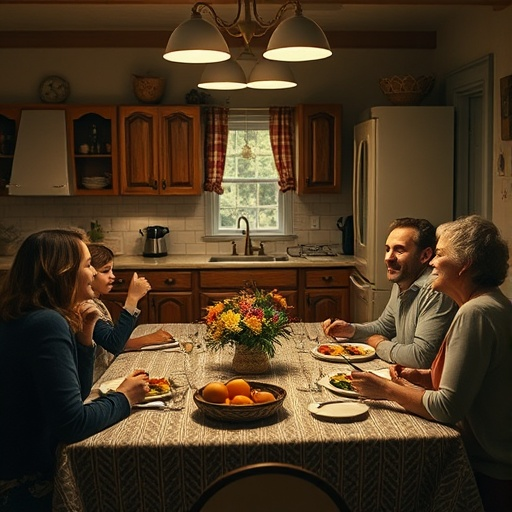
[163, 459]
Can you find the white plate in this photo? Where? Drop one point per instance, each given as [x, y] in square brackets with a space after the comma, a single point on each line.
[338, 359]
[171, 344]
[324, 381]
[341, 411]
[112, 385]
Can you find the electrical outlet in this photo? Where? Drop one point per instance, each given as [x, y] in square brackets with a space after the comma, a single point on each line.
[314, 222]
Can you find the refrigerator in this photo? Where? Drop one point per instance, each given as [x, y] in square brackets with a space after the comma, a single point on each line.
[403, 167]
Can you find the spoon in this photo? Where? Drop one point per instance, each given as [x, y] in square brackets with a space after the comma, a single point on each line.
[318, 405]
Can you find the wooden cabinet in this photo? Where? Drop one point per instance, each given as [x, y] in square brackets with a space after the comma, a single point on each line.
[92, 146]
[318, 148]
[9, 122]
[215, 285]
[171, 299]
[181, 296]
[160, 150]
[326, 294]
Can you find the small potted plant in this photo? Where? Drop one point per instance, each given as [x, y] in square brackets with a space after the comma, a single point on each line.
[10, 237]
[252, 322]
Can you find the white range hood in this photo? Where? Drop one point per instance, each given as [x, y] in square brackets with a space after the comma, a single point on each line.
[40, 165]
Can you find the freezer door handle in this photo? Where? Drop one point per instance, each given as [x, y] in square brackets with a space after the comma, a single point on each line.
[358, 282]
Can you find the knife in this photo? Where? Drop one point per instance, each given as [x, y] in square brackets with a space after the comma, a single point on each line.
[348, 361]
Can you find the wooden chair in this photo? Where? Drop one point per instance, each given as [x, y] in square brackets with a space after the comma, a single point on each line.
[270, 487]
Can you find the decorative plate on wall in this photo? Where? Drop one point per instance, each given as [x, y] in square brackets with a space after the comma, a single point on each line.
[54, 89]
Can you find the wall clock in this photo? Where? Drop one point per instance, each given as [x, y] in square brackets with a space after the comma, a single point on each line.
[54, 89]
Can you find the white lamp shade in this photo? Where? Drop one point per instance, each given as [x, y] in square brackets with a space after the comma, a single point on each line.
[268, 74]
[196, 41]
[223, 76]
[297, 39]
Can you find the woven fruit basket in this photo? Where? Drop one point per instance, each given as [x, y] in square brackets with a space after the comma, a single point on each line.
[148, 89]
[253, 412]
[406, 89]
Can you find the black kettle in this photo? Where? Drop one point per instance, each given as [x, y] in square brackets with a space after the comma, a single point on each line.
[154, 246]
[347, 234]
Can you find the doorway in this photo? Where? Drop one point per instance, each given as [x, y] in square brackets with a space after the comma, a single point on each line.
[470, 90]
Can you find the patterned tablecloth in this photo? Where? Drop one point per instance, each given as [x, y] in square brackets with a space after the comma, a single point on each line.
[161, 460]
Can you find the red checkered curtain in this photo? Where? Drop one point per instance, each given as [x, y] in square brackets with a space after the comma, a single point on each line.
[281, 139]
[215, 149]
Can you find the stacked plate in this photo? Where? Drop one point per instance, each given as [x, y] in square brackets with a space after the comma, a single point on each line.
[95, 182]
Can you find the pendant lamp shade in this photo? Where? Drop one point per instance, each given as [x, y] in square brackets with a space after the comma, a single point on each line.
[196, 41]
[297, 39]
[268, 74]
[223, 76]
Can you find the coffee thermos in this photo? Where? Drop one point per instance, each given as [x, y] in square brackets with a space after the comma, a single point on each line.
[154, 245]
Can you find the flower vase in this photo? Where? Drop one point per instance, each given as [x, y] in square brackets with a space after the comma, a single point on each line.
[247, 360]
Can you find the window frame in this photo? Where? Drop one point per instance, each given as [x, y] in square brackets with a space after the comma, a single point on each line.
[241, 120]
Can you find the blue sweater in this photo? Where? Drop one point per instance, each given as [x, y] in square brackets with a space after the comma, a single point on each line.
[45, 377]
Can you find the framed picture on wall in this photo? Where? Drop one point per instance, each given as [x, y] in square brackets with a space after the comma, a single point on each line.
[506, 107]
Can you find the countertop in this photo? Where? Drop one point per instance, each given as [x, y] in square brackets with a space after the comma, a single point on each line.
[198, 261]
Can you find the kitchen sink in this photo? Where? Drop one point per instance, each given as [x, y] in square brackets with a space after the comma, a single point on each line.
[244, 259]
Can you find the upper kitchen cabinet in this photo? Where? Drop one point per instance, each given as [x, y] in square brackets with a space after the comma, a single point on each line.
[93, 148]
[160, 150]
[318, 148]
[9, 120]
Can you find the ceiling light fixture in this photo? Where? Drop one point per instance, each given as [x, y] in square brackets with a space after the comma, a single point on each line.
[223, 76]
[198, 41]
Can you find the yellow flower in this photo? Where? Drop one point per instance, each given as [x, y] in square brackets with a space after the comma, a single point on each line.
[254, 324]
[231, 321]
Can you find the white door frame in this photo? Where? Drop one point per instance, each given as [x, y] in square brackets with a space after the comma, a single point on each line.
[470, 90]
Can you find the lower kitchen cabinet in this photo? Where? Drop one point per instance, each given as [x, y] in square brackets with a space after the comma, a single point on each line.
[171, 299]
[326, 294]
[216, 285]
[182, 296]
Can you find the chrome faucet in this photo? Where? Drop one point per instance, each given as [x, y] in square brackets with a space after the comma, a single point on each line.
[248, 243]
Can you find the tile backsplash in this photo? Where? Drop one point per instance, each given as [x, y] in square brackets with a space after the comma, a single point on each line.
[122, 217]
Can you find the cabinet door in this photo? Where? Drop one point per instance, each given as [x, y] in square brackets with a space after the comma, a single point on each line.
[92, 143]
[115, 302]
[9, 123]
[168, 308]
[319, 148]
[180, 151]
[138, 150]
[326, 303]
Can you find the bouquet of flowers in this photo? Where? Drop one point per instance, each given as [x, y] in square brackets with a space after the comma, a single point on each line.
[253, 318]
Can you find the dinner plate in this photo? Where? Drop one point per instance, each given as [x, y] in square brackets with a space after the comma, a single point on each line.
[343, 411]
[171, 344]
[112, 385]
[370, 353]
[325, 382]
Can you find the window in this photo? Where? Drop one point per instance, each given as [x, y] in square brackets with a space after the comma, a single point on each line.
[250, 181]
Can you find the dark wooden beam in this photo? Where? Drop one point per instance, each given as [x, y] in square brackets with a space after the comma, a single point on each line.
[158, 39]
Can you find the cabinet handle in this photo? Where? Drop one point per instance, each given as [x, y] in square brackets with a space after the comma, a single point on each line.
[327, 278]
[155, 185]
[164, 184]
[169, 280]
[119, 281]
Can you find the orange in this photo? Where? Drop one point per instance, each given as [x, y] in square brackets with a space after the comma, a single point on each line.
[241, 400]
[215, 392]
[262, 396]
[238, 387]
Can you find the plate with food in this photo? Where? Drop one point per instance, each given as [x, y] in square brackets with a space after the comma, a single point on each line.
[159, 388]
[341, 382]
[336, 352]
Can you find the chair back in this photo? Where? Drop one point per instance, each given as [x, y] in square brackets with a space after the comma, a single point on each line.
[270, 487]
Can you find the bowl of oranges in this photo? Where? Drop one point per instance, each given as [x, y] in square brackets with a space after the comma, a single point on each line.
[239, 400]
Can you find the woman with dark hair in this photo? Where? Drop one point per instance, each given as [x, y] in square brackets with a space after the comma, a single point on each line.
[47, 352]
[115, 337]
[469, 383]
